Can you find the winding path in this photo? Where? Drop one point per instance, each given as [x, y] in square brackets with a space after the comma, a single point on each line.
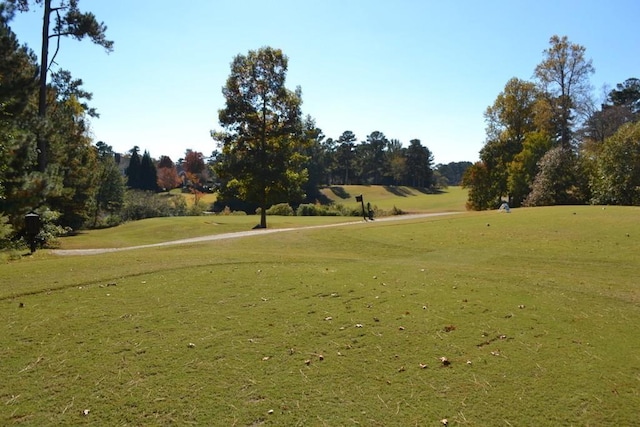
[238, 234]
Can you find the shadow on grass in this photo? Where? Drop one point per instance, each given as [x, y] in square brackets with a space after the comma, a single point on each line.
[432, 191]
[340, 192]
[409, 191]
[398, 191]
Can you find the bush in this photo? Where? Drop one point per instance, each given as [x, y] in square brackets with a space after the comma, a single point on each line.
[347, 211]
[146, 204]
[49, 229]
[197, 209]
[309, 209]
[282, 209]
[396, 211]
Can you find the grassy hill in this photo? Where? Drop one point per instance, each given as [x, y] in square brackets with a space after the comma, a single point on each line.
[408, 199]
[384, 197]
[534, 311]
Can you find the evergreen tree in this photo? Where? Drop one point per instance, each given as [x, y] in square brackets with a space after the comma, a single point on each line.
[133, 171]
[148, 173]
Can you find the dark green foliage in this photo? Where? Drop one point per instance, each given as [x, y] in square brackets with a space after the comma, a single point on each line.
[133, 171]
[453, 171]
[18, 75]
[109, 197]
[148, 174]
[18, 85]
[345, 157]
[419, 161]
[627, 94]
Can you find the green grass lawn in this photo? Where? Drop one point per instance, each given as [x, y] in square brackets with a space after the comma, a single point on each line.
[156, 230]
[535, 310]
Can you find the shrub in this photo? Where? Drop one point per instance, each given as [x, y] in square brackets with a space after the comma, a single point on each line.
[396, 211]
[282, 209]
[49, 229]
[347, 211]
[197, 209]
[309, 209]
[146, 204]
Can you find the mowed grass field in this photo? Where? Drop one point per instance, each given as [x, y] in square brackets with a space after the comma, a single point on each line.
[408, 199]
[536, 312]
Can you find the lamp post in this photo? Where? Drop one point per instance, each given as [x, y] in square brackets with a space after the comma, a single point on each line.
[32, 222]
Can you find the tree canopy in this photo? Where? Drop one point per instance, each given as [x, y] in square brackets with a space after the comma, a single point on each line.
[261, 141]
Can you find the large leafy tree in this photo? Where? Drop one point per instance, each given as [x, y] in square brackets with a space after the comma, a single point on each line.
[372, 157]
[477, 180]
[261, 141]
[510, 119]
[73, 172]
[109, 197]
[396, 162]
[168, 178]
[627, 94]
[318, 154]
[558, 181]
[617, 168]
[564, 75]
[345, 155]
[68, 21]
[418, 162]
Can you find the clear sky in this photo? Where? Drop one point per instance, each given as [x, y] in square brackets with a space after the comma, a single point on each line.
[418, 69]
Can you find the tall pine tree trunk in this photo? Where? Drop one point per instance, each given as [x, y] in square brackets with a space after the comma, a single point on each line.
[42, 101]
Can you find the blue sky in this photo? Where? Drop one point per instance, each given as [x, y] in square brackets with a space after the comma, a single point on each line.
[408, 68]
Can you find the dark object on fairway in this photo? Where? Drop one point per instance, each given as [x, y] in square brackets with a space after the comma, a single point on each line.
[32, 223]
[370, 211]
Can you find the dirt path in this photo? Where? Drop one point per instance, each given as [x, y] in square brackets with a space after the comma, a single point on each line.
[258, 232]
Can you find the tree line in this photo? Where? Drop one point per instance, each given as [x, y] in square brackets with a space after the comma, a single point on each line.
[548, 142]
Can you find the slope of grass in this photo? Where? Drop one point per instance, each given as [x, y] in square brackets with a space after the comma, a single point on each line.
[535, 311]
[408, 199]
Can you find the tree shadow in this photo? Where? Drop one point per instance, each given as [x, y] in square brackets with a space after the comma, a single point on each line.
[340, 192]
[425, 190]
[398, 191]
